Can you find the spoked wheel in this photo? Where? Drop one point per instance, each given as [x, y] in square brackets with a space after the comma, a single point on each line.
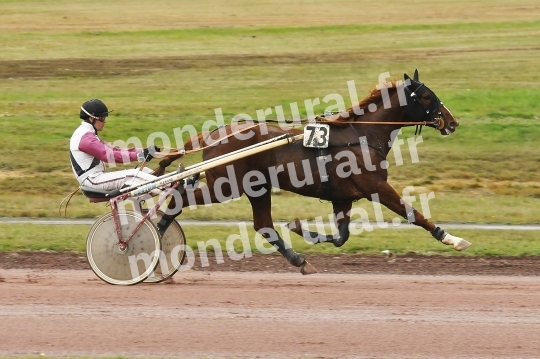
[120, 266]
[172, 246]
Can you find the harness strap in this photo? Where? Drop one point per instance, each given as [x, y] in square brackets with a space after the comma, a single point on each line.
[358, 143]
[325, 179]
[350, 144]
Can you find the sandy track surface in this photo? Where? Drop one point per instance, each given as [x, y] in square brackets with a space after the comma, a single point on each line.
[410, 263]
[282, 315]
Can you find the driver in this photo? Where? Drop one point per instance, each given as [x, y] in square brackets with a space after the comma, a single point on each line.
[89, 153]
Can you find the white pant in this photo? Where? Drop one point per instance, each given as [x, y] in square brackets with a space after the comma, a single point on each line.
[110, 181]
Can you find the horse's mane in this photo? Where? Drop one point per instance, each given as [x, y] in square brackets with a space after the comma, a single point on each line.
[374, 97]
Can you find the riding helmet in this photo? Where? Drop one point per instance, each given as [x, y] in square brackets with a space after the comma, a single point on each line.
[95, 108]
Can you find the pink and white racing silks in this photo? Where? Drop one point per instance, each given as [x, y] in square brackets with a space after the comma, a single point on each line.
[88, 155]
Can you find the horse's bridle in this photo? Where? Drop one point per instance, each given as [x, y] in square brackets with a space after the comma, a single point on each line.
[437, 122]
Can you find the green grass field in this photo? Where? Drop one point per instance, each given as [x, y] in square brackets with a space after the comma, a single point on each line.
[164, 64]
[72, 238]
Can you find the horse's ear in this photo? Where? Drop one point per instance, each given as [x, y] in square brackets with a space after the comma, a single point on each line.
[406, 77]
[415, 78]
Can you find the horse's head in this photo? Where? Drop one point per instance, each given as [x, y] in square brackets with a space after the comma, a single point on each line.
[424, 105]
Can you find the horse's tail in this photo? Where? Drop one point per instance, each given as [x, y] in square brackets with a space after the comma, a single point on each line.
[196, 143]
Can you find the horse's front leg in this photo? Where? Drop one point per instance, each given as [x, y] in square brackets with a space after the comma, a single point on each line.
[264, 225]
[341, 221]
[390, 199]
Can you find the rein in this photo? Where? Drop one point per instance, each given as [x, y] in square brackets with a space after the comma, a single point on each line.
[437, 122]
[419, 123]
[178, 152]
[319, 119]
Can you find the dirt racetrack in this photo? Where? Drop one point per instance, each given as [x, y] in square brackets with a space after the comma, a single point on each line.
[276, 313]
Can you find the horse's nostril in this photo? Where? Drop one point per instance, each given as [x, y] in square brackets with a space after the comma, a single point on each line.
[452, 125]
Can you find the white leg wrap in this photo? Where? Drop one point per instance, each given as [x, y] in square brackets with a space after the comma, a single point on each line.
[459, 243]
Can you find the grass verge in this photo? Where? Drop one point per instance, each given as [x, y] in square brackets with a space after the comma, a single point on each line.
[71, 238]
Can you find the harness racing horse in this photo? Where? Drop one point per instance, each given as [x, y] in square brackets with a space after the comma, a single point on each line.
[353, 167]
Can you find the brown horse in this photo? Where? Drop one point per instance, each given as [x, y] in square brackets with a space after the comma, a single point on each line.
[353, 167]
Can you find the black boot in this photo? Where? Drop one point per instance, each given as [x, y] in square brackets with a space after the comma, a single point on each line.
[438, 233]
[343, 234]
[164, 223]
[309, 236]
[294, 258]
[315, 237]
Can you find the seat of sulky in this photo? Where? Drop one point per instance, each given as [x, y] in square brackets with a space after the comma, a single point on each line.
[97, 195]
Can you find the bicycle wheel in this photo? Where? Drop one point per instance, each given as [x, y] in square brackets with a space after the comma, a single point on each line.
[172, 243]
[123, 267]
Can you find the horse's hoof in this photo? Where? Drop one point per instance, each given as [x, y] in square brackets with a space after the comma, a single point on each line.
[459, 243]
[307, 268]
[462, 245]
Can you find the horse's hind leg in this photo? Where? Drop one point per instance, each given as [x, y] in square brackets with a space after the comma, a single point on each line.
[342, 220]
[310, 236]
[263, 224]
[167, 217]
